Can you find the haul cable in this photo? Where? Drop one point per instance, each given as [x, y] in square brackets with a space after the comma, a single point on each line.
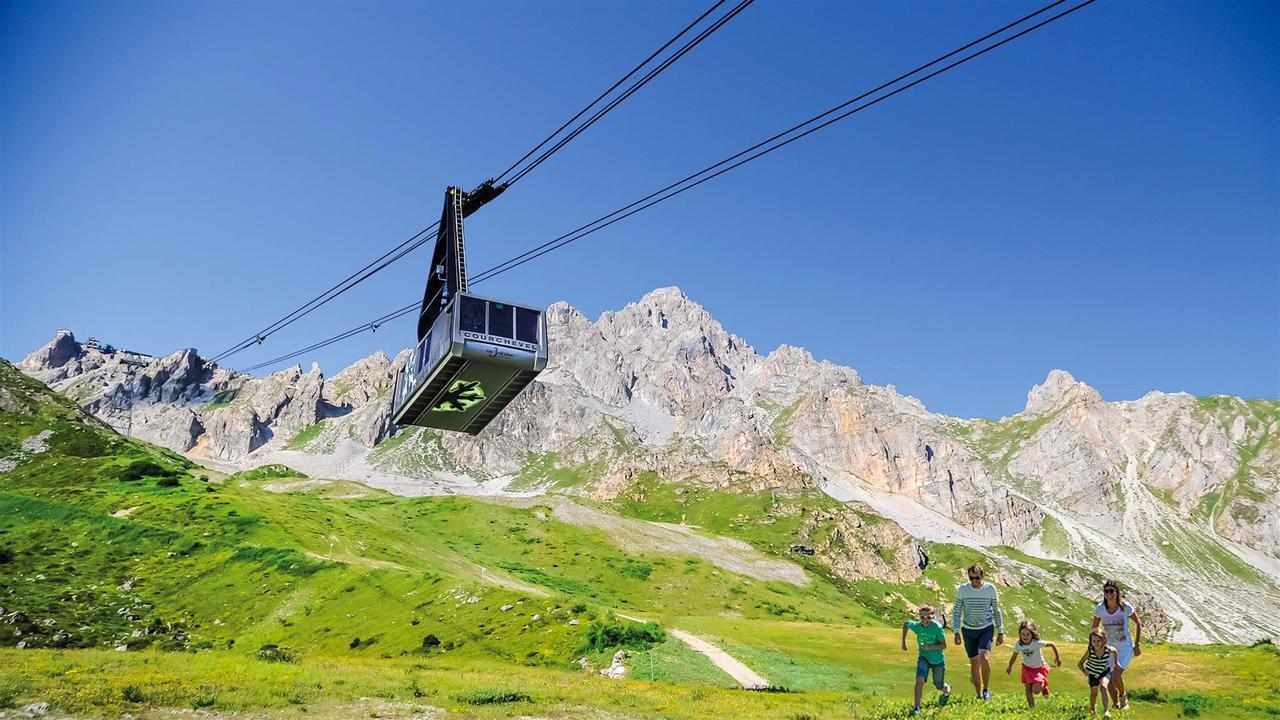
[632, 208]
[424, 236]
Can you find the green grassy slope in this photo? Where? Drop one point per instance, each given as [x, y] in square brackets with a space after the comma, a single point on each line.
[772, 523]
[838, 673]
[108, 543]
[1240, 494]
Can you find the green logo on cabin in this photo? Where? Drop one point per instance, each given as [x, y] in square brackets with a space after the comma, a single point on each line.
[460, 397]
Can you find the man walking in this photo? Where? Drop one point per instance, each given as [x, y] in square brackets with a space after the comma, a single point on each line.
[976, 618]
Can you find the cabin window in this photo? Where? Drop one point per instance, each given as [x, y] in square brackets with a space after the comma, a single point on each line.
[501, 320]
[472, 319]
[527, 325]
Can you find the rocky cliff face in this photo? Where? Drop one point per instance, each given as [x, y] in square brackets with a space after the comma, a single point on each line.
[185, 403]
[660, 386]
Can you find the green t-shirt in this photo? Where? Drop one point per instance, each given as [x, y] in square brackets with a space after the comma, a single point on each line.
[931, 634]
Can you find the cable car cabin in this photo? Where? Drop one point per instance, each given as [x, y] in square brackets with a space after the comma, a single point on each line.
[474, 355]
[477, 357]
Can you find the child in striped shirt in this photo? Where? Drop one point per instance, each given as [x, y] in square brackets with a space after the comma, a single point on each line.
[1096, 665]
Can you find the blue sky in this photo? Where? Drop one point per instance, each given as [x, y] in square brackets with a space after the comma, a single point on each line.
[1100, 196]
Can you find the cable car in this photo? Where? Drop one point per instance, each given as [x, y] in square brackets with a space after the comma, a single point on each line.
[474, 354]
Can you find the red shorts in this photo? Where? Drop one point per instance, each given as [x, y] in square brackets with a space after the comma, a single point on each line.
[1039, 675]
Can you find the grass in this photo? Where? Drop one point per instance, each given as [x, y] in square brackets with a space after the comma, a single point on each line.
[774, 525]
[305, 436]
[1190, 549]
[231, 597]
[542, 471]
[416, 452]
[834, 672]
[780, 426]
[996, 441]
[266, 472]
[220, 400]
[1053, 536]
[1239, 494]
[674, 662]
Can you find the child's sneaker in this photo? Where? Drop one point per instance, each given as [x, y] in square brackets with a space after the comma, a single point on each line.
[1106, 715]
[915, 710]
[945, 697]
[986, 694]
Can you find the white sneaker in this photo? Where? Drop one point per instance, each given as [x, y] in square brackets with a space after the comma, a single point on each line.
[1106, 715]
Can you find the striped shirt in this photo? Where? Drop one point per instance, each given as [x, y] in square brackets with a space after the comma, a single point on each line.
[977, 608]
[1097, 664]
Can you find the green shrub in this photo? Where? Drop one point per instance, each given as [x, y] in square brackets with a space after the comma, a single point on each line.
[430, 642]
[605, 636]
[276, 653]
[1266, 645]
[203, 699]
[636, 569]
[79, 441]
[1151, 695]
[133, 694]
[283, 559]
[139, 469]
[171, 481]
[8, 696]
[6, 556]
[1193, 704]
[492, 696]
[358, 644]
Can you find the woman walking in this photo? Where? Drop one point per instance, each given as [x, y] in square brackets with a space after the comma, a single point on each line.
[1113, 614]
[976, 618]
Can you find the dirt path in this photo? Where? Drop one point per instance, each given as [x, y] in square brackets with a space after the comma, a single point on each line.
[745, 676]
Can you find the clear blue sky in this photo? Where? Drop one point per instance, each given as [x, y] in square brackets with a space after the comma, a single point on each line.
[1101, 196]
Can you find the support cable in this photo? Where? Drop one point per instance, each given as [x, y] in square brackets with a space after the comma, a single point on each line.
[723, 166]
[424, 236]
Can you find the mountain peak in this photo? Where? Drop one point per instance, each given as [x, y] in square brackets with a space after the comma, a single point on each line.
[669, 293]
[790, 354]
[53, 354]
[1058, 386]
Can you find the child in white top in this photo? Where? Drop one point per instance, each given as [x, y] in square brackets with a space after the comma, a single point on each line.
[1035, 673]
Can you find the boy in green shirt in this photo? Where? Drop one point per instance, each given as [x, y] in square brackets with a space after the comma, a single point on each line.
[932, 639]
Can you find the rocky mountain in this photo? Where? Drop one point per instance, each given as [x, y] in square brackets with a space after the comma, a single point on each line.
[1171, 493]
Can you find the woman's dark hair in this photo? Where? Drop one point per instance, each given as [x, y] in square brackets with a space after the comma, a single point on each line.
[1112, 585]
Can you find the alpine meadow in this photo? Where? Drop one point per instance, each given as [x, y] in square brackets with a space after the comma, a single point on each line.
[683, 360]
